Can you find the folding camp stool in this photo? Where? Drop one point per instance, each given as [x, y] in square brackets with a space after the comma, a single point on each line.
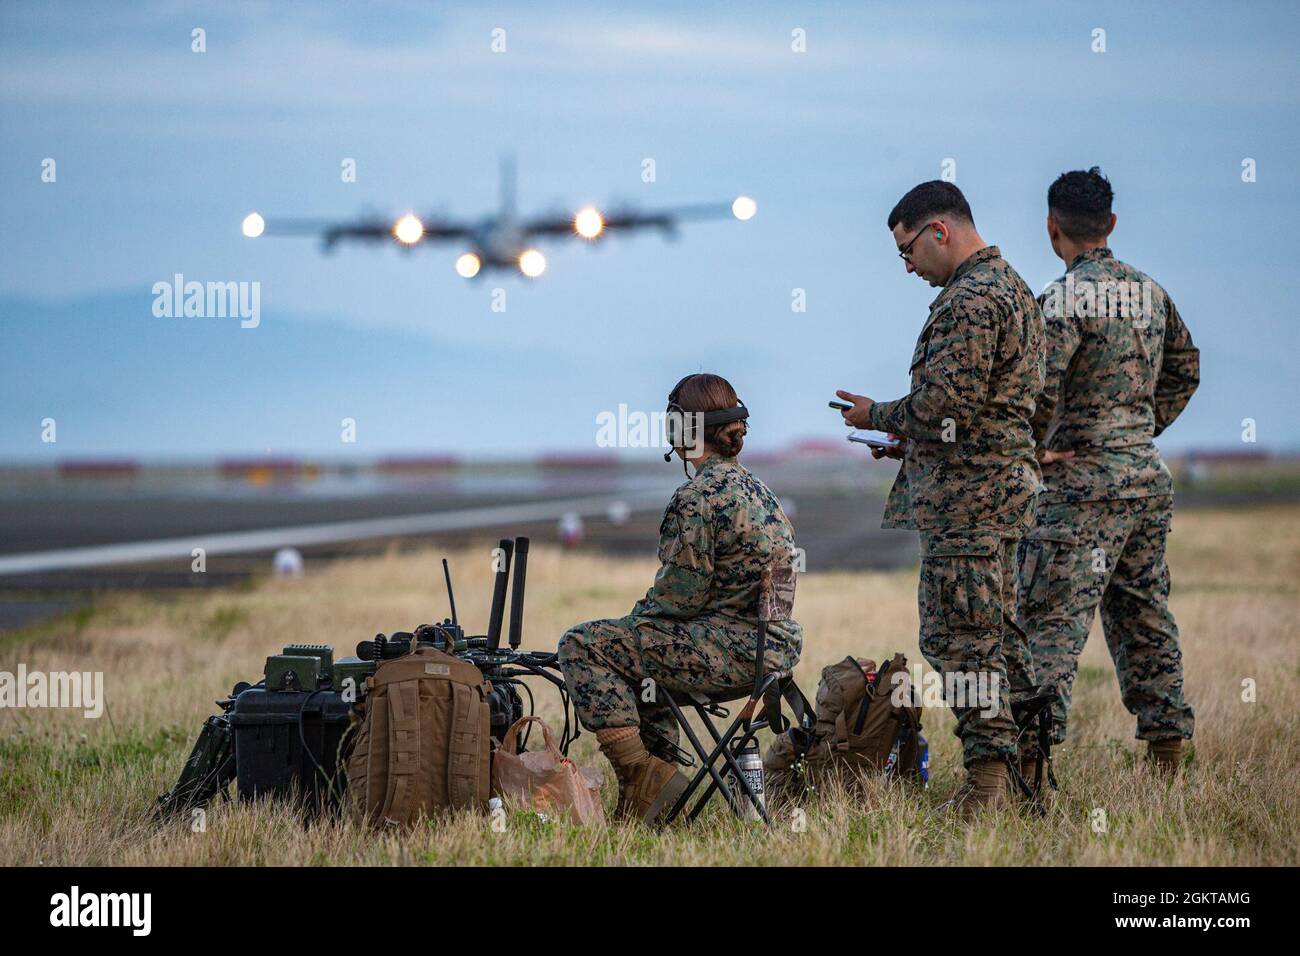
[776, 600]
[1035, 709]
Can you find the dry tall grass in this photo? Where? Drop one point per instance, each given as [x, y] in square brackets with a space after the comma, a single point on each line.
[78, 792]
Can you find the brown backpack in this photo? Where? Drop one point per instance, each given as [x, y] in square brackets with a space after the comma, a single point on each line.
[423, 743]
[858, 726]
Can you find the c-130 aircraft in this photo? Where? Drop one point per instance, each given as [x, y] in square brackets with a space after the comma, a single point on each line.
[501, 240]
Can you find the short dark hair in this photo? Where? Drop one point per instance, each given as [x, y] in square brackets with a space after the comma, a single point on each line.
[1080, 201]
[935, 198]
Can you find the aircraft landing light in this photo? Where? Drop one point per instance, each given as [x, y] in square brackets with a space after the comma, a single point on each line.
[532, 263]
[589, 223]
[467, 265]
[408, 229]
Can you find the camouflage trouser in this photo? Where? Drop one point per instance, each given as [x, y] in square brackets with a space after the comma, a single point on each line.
[967, 603]
[1112, 554]
[613, 668]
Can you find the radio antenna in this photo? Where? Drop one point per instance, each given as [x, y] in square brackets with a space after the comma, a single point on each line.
[517, 593]
[501, 580]
[446, 571]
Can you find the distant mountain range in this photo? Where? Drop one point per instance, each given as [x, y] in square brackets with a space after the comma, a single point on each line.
[118, 380]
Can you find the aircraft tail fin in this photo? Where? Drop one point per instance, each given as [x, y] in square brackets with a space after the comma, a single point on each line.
[508, 182]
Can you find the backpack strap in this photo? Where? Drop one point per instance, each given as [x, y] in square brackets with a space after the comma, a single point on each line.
[772, 708]
[802, 729]
[841, 732]
[799, 705]
[364, 806]
[465, 741]
[403, 749]
[868, 692]
[802, 711]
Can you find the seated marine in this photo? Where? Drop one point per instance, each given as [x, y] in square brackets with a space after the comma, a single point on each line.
[696, 629]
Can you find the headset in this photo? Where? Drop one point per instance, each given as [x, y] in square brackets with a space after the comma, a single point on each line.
[680, 425]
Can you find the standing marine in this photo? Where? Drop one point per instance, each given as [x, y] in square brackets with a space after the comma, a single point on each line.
[1121, 366]
[696, 629]
[969, 479]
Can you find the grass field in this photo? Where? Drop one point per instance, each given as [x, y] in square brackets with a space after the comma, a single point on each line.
[77, 791]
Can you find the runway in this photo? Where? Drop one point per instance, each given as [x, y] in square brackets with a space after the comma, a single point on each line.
[60, 544]
[308, 535]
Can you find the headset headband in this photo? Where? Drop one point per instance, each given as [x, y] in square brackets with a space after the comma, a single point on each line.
[722, 416]
[717, 417]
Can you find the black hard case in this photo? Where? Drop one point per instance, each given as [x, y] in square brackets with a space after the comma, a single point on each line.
[269, 729]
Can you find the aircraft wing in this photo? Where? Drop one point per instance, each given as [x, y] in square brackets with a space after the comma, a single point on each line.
[408, 229]
[591, 223]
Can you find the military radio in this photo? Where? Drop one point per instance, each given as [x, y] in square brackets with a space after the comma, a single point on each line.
[287, 736]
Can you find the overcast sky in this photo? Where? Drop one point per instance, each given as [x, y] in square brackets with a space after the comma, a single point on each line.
[160, 152]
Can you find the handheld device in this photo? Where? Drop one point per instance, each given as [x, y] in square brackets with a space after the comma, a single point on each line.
[875, 443]
[840, 406]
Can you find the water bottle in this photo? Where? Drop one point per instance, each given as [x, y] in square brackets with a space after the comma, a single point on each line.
[750, 761]
[922, 754]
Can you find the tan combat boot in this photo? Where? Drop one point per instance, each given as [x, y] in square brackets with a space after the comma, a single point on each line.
[987, 782]
[1166, 755]
[647, 786]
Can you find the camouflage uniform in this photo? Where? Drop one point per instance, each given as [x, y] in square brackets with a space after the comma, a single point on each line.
[696, 630]
[969, 482]
[1118, 373]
